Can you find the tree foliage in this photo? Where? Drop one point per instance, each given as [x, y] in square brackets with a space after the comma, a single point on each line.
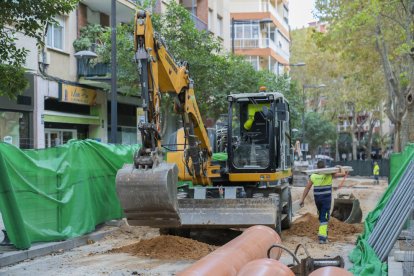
[354, 85]
[215, 73]
[378, 36]
[318, 131]
[29, 17]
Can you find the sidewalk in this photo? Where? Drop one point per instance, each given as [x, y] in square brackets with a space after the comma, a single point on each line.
[9, 255]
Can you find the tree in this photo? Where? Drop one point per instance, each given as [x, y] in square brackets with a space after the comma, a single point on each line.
[29, 17]
[215, 74]
[318, 131]
[386, 29]
[354, 85]
[289, 88]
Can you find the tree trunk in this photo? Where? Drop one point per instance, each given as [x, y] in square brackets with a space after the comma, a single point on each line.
[337, 149]
[354, 145]
[397, 137]
[369, 144]
[407, 132]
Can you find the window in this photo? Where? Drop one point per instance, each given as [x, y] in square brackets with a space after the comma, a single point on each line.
[210, 19]
[219, 26]
[55, 34]
[254, 60]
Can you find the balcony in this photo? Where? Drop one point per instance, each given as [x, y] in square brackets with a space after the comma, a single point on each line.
[199, 24]
[88, 70]
[260, 43]
[268, 7]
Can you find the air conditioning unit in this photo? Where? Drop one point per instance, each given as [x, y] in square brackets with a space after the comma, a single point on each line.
[44, 58]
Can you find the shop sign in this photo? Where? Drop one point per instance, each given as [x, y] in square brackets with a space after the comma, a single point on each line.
[76, 94]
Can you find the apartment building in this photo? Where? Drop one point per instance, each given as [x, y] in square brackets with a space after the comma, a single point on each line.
[208, 15]
[261, 33]
[62, 102]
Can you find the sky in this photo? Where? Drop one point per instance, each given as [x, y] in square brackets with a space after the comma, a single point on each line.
[300, 13]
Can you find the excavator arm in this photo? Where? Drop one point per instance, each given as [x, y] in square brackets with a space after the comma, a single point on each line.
[160, 73]
[147, 189]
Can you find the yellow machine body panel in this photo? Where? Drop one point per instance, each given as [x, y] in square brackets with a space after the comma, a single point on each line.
[257, 177]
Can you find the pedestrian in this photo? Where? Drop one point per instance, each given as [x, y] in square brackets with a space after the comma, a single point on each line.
[375, 172]
[322, 192]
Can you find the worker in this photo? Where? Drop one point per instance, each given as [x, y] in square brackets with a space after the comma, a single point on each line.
[323, 196]
[251, 111]
[376, 172]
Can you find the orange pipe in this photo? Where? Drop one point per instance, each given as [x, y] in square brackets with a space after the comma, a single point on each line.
[231, 257]
[331, 271]
[265, 267]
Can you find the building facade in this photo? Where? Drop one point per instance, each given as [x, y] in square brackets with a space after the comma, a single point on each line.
[61, 103]
[260, 32]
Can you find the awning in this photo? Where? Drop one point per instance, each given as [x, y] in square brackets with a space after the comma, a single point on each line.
[68, 118]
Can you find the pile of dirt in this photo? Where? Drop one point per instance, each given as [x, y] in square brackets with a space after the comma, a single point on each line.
[308, 224]
[167, 248]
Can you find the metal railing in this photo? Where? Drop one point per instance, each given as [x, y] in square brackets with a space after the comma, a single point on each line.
[267, 7]
[199, 24]
[92, 70]
[260, 43]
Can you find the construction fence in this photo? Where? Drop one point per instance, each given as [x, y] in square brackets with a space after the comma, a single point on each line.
[59, 193]
[364, 258]
[365, 167]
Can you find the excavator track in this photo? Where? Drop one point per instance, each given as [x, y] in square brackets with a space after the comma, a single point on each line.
[149, 196]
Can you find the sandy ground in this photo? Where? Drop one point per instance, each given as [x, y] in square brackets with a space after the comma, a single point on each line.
[98, 259]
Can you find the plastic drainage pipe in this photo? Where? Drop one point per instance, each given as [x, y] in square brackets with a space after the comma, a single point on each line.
[231, 257]
[265, 267]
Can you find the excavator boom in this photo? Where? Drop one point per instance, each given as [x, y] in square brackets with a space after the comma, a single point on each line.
[147, 188]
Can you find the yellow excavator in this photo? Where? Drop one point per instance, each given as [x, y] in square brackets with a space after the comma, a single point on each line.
[250, 186]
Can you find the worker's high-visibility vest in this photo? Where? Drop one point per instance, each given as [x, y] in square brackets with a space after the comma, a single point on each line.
[376, 170]
[322, 184]
[251, 110]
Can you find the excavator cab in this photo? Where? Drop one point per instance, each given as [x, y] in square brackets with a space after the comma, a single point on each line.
[258, 134]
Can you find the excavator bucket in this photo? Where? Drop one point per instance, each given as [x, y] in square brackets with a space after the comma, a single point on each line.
[227, 213]
[347, 208]
[149, 196]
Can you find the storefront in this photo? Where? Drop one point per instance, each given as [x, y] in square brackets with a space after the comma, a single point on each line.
[16, 118]
[127, 120]
[70, 111]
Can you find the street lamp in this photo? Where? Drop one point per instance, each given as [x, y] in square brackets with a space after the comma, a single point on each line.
[296, 64]
[234, 21]
[316, 86]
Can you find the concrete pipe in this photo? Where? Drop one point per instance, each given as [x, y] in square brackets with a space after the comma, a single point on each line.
[231, 257]
[265, 267]
[331, 271]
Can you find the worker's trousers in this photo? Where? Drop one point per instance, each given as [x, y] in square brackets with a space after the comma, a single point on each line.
[323, 204]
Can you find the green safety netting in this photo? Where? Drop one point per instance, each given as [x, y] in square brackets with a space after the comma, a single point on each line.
[59, 193]
[363, 256]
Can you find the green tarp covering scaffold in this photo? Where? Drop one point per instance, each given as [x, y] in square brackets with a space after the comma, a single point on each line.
[58, 193]
[365, 261]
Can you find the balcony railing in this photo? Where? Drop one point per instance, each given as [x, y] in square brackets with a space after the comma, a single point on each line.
[260, 43]
[199, 24]
[267, 7]
[93, 70]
